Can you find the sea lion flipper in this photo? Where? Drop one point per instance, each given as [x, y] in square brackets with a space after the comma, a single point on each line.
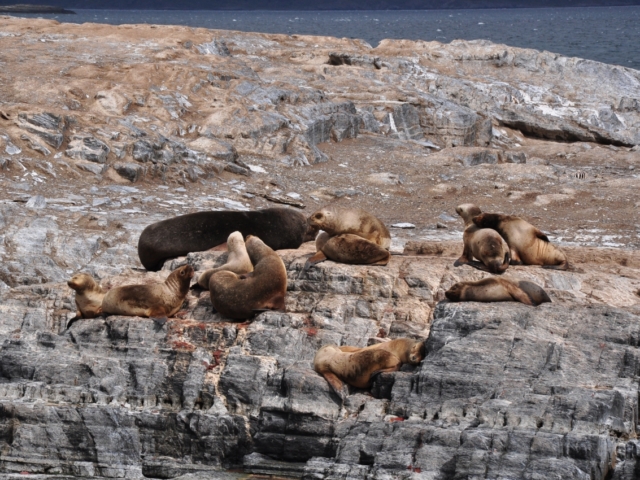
[159, 321]
[336, 385]
[317, 258]
[71, 321]
[518, 294]
[540, 235]
[562, 266]
[349, 349]
[535, 292]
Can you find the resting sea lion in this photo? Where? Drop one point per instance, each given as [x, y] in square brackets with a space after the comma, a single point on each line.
[156, 300]
[349, 236]
[528, 245]
[336, 221]
[496, 289]
[89, 296]
[237, 262]
[196, 232]
[484, 244]
[356, 366]
[406, 349]
[242, 296]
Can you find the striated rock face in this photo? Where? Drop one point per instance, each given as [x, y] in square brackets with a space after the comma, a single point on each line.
[104, 130]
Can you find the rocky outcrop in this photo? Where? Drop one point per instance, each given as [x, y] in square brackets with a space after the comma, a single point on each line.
[91, 153]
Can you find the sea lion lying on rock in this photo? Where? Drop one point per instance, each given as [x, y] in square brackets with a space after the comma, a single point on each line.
[238, 260]
[527, 244]
[356, 366]
[484, 244]
[242, 296]
[349, 236]
[495, 289]
[89, 295]
[196, 232]
[155, 300]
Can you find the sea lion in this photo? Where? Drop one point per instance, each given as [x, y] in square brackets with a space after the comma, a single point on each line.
[349, 236]
[406, 349]
[238, 260]
[89, 296]
[156, 300]
[196, 232]
[337, 221]
[527, 244]
[354, 368]
[484, 244]
[242, 296]
[496, 289]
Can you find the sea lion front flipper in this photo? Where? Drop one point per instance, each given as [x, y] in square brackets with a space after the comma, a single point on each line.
[540, 235]
[316, 258]
[562, 266]
[159, 321]
[73, 320]
[336, 385]
[515, 258]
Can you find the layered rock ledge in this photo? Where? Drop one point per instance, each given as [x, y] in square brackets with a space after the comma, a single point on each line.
[105, 129]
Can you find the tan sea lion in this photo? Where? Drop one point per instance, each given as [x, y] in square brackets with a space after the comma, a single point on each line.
[89, 295]
[349, 236]
[496, 289]
[242, 296]
[196, 232]
[483, 244]
[156, 300]
[354, 368]
[528, 245]
[238, 260]
[336, 221]
[406, 349]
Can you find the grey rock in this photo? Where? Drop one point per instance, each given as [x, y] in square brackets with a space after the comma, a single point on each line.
[131, 171]
[48, 126]
[88, 147]
[214, 47]
[354, 60]
[474, 157]
[11, 149]
[514, 157]
[405, 123]
[96, 169]
[36, 146]
[37, 201]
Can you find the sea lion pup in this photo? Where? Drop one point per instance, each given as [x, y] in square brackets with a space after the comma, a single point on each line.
[336, 221]
[528, 245]
[242, 296]
[237, 262]
[406, 349]
[484, 244]
[89, 296]
[496, 289]
[156, 300]
[196, 232]
[356, 366]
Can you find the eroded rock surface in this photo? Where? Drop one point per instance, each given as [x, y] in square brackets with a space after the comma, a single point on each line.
[104, 130]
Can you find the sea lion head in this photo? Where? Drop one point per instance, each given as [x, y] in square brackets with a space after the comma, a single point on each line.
[256, 249]
[81, 282]
[417, 353]
[234, 241]
[323, 219]
[467, 211]
[455, 292]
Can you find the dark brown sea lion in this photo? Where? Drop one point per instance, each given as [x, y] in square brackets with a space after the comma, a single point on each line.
[155, 300]
[242, 296]
[196, 232]
[495, 289]
[528, 245]
[89, 295]
[483, 244]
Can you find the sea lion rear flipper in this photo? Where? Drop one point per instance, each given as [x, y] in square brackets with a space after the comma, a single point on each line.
[382, 262]
[316, 258]
[535, 292]
[337, 385]
[518, 294]
[159, 321]
[540, 235]
[562, 266]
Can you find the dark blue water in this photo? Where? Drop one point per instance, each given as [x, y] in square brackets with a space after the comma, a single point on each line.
[605, 34]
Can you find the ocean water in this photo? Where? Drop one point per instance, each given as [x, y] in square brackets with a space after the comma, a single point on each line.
[606, 34]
